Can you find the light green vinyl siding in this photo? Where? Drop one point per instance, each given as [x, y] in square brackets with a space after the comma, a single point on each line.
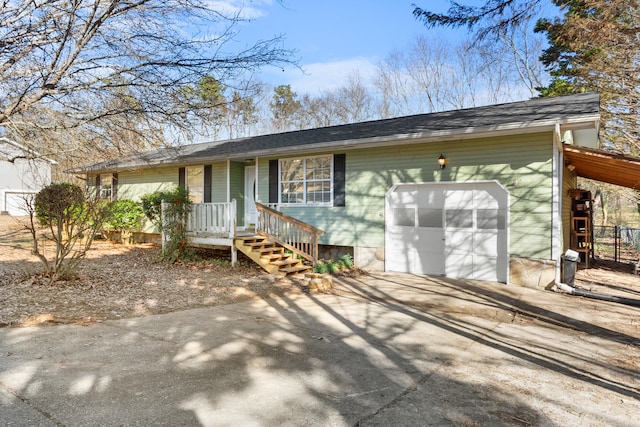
[521, 163]
[219, 182]
[236, 185]
[135, 184]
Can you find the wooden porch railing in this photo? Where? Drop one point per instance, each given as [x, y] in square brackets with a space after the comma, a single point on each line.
[208, 219]
[213, 218]
[293, 234]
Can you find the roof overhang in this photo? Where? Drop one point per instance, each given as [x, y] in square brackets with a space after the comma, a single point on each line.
[589, 122]
[603, 166]
[572, 119]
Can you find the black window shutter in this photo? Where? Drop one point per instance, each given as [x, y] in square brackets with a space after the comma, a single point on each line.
[207, 183]
[339, 169]
[182, 178]
[114, 187]
[98, 186]
[273, 181]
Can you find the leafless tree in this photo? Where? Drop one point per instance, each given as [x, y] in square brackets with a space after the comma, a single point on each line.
[434, 74]
[354, 102]
[97, 65]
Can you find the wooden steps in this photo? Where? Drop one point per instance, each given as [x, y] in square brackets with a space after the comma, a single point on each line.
[270, 256]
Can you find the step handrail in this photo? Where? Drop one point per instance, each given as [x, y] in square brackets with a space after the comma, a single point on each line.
[291, 233]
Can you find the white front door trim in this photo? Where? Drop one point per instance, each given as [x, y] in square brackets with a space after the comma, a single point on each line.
[250, 183]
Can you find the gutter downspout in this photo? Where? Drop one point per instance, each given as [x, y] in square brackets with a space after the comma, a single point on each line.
[557, 199]
[603, 297]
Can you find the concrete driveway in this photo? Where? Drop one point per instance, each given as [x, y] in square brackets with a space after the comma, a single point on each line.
[388, 350]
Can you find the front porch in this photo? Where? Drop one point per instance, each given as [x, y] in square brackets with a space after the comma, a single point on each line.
[280, 244]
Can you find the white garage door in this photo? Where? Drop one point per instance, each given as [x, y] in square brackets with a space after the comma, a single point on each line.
[452, 229]
[15, 202]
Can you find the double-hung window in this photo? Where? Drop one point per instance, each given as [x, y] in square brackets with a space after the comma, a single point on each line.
[106, 186]
[195, 183]
[306, 181]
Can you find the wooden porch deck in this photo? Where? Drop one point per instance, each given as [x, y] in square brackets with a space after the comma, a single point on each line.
[278, 243]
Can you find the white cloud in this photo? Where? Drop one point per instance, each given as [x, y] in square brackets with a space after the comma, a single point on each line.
[242, 8]
[326, 76]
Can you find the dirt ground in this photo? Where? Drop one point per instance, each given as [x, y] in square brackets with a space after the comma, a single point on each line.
[382, 351]
[117, 281]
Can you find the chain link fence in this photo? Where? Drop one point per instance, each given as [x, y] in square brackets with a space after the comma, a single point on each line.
[617, 243]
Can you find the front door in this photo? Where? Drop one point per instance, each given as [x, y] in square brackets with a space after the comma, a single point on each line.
[250, 211]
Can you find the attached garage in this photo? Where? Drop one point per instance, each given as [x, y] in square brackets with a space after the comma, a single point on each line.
[448, 228]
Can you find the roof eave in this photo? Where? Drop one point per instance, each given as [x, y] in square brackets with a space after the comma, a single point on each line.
[428, 137]
[573, 122]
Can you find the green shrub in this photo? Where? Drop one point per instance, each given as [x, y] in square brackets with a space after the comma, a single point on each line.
[321, 268]
[177, 209]
[124, 216]
[346, 260]
[333, 268]
[152, 203]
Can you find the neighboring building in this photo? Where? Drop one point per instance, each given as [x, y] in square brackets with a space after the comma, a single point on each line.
[22, 174]
[497, 209]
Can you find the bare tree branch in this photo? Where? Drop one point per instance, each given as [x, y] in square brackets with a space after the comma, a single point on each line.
[81, 64]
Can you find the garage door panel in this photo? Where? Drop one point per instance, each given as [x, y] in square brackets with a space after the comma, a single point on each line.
[16, 204]
[486, 243]
[402, 237]
[456, 229]
[404, 195]
[458, 199]
[427, 262]
[431, 240]
[485, 267]
[484, 199]
[430, 197]
[460, 241]
[459, 265]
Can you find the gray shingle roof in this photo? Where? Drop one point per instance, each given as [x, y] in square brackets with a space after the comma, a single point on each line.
[422, 127]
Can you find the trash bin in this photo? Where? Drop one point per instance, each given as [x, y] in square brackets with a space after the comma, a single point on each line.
[569, 265]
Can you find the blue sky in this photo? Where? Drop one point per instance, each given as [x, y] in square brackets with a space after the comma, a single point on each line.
[333, 38]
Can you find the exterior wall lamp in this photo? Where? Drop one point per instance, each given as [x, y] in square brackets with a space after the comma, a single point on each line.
[442, 161]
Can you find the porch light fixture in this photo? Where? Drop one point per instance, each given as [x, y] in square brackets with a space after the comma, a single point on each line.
[442, 161]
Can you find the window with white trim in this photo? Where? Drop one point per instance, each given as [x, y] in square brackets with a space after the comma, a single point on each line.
[195, 183]
[307, 181]
[106, 186]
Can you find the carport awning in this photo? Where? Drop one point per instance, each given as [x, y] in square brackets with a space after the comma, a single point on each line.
[603, 166]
